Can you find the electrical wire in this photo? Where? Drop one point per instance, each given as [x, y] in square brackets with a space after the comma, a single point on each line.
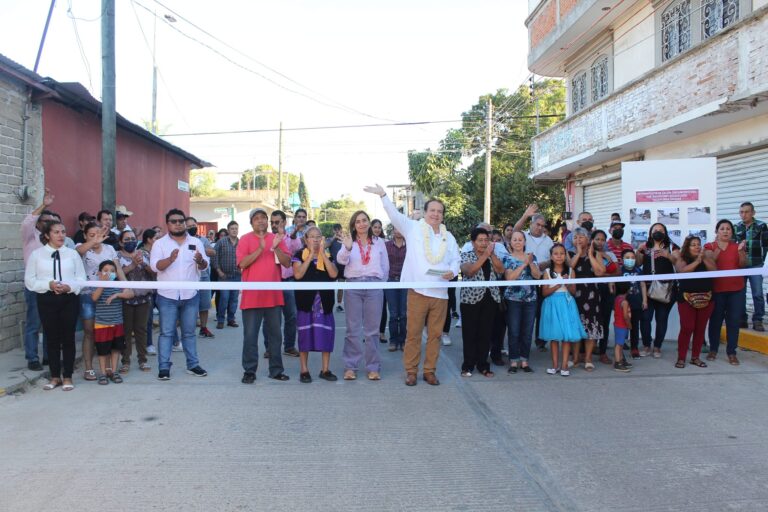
[80, 45]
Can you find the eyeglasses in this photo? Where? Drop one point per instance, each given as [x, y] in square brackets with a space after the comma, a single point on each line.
[175, 221]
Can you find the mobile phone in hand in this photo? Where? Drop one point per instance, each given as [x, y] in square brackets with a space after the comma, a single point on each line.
[192, 247]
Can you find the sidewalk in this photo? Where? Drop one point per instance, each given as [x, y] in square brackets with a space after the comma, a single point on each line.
[15, 377]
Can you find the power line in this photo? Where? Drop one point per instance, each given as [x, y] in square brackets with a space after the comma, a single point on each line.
[273, 70]
[308, 128]
[80, 45]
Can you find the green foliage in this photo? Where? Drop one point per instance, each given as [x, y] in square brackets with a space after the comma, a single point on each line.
[202, 183]
[303, 193]
[339, 210]
[264, 177]
[443, 174]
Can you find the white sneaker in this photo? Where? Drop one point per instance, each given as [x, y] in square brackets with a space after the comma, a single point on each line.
[152, 350]
[458, 324]
[446, 340]
[177, 348]
[551, 371]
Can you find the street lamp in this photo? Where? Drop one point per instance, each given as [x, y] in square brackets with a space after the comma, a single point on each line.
[168, 19]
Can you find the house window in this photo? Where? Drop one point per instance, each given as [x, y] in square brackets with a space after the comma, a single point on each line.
[599, 72]
[676, 29]
[717, 15]
[579, 91]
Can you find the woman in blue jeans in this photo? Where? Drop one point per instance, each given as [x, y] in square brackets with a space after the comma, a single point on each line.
[521, 302]
[660, 256]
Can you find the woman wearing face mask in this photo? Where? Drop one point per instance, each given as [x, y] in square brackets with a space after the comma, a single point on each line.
[587, 261]
[661, 256]
[727, 297]
[694, 301]
[135, 264]
[57, 303]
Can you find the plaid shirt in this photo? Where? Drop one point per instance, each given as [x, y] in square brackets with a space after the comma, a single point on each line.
[756, 236]
[396, 258]
[226, 257]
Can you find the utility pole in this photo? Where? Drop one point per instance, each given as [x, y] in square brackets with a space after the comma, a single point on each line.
[280, 169]
[153, 127]
[532, 88]
[108, 111]
[488, 151]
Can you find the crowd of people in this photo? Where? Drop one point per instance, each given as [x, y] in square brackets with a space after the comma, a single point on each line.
[515, 303]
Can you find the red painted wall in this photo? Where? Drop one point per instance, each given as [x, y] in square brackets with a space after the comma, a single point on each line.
[147, 175]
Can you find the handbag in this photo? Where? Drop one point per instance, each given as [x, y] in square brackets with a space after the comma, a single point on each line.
[697, 300]
[660, 291]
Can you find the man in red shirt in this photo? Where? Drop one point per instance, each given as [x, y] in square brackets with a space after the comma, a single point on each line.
[259, 256]
[616, 245]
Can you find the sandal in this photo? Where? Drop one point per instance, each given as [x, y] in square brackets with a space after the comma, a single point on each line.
[698, 362]
[125, 368]
[350, 375]
[680, 363]
[589, 367]
[116, 378]
[89, 375]
[103, 380]
[487, 373]
[52, 384]
[374, 376]
[145, 367]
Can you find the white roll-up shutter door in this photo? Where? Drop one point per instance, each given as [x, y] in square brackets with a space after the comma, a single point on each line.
[743, 177]
[601, 200]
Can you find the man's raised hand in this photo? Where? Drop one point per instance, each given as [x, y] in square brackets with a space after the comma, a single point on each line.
[376, 189]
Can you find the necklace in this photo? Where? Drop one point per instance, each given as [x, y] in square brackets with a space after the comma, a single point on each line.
[426, 232]
[365, 255]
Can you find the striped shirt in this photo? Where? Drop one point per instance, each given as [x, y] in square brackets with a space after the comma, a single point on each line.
[109, 314]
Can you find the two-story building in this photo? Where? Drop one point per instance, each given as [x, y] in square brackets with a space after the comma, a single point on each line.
[653, 80]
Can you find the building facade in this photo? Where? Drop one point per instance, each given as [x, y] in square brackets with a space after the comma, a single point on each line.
[653, 80]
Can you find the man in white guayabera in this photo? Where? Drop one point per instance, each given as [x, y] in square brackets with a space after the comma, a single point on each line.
[432, 256]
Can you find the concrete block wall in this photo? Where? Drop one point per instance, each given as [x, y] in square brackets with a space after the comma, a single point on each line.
[12, 208]
[729, 64]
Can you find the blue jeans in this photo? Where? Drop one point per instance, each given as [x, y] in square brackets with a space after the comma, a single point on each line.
[397, 302]
[228, 300]
[32, 328]
[520, 318]
[661, 311]
[185, 312]
[252, 320]
[289, 321]
[729, 306]
[150, 318]
[756, 287]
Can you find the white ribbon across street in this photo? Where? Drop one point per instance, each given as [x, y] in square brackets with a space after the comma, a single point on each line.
[396, 285]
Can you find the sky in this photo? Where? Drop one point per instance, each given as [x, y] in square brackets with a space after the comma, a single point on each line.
[359, 62]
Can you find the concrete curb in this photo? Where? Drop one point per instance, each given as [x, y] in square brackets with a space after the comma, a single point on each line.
[28, 382]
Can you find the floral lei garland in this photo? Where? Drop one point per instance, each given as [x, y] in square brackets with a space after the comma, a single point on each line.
[425, 231]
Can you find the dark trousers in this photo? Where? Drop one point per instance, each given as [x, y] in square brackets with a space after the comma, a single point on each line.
[606, 308]
[634, 331]
[252, 321]
[661, 312]
[58, 314]
[451, 308]
[729, 306]
[383, 323]
[498, 333]
[476, 328]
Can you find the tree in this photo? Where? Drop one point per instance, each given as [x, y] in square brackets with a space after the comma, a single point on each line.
[441, 173]
[202, 182]
[303, 193]
[264, 177]
[339, 210]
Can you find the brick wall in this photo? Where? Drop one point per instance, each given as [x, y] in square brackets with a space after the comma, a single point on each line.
[566, 6]
[543, 24]
[12, 209]
[727, 64]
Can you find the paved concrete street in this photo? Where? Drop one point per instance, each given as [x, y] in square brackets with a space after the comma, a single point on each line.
[656, 439]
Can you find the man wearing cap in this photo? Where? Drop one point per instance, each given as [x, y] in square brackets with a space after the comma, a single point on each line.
[616, 245]
[259, 256]
[121, 220]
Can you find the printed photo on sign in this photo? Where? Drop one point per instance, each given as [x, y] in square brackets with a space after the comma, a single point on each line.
[639, 237]
[699, 215]
[701, 233]
[639, 216]
[669, 216]
[676, 236]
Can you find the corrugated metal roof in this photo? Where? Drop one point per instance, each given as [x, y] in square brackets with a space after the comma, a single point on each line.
[76, 96]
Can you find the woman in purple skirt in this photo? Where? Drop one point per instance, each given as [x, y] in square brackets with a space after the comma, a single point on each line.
[314, 309]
